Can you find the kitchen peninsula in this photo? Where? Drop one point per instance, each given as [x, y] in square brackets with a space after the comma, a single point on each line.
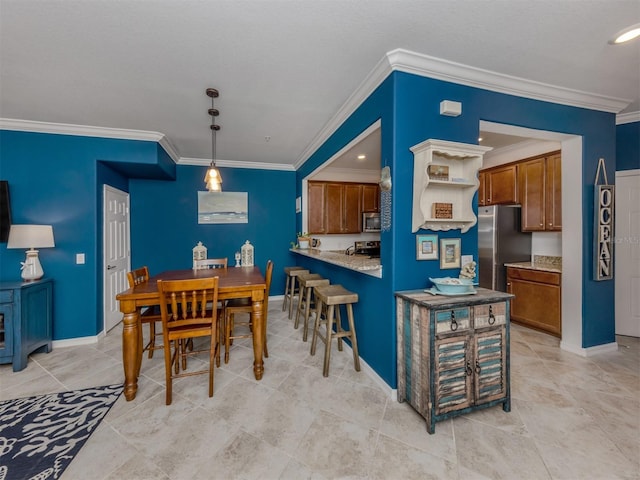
[360, 263]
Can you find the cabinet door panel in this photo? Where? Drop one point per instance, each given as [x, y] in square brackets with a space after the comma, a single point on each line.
[6, 332]
[482, 192]
[501, 186]
[452, 374]
[532, 194]
[334, 208]
[554, 193]
[489, 365]
[536, 305]
[370, 198]
[316, 199]
[351, 212]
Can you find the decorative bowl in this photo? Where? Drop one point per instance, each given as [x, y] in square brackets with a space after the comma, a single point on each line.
[453, 285]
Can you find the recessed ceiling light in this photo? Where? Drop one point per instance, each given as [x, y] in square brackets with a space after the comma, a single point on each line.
[626, 35]
[361, 157]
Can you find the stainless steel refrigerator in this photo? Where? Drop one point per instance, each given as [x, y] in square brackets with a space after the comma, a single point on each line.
[500, 241]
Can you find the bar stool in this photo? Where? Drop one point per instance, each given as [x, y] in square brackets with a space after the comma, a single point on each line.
[290, 288]
[332, 296]
[307, 282]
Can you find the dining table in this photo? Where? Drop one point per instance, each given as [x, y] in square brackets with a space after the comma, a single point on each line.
[234, 282]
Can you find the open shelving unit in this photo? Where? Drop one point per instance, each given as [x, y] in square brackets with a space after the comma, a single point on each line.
[463, 162]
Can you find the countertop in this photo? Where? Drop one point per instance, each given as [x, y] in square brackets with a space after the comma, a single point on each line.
[359, 263]
[540, 262]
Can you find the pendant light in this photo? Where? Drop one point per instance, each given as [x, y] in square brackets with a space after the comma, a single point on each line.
[213, 179]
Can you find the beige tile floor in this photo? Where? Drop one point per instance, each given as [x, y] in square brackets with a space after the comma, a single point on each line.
[571, 418]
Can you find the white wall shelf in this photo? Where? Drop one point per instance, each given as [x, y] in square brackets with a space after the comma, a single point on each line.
[463, 161]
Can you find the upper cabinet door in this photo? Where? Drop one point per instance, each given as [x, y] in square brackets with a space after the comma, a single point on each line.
[482, 192]
[316, 212]
[351, 209]
[531, 180]
[501, 185]
[370, 198]
[554, 193]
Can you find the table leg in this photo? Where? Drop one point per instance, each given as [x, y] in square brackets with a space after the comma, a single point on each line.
[131, 352]
[259, 334]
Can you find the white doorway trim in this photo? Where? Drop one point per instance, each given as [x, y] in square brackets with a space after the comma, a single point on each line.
[627, 253]
[571, 226]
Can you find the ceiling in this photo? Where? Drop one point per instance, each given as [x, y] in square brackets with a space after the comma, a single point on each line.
[284, 68]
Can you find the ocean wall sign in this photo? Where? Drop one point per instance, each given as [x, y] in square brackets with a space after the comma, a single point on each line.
[604, 196]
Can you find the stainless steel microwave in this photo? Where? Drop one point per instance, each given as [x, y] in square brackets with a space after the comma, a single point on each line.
[371, 222]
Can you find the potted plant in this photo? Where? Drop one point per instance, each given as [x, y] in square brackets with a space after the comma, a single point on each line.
[303, 240]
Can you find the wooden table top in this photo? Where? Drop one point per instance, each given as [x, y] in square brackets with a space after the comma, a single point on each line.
[230, 280]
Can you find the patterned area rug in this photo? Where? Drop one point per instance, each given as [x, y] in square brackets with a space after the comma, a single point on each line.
[39, 436]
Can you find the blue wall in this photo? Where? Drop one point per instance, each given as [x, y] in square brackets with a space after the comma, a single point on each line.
[408, 106]
[628, 146]
[164, 220]
[56, 180]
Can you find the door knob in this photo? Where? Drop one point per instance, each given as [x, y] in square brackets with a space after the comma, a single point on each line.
[111, 267]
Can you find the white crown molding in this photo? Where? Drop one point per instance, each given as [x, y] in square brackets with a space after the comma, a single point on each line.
[89, 131]
[630, 117]
[432, 67]
[235, 164]
[424, 65]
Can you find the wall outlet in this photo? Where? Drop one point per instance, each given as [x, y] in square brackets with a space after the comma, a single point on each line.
[79, 258]
[464, 259]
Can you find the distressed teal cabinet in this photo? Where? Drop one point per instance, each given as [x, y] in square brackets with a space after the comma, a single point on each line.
[26, 320]
[453, 352]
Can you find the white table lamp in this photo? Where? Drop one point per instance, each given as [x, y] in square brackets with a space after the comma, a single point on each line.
[31, 237]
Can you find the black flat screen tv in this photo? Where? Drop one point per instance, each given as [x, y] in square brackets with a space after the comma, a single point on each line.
[5, 211]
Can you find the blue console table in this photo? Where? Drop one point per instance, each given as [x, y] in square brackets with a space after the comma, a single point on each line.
[26, 320]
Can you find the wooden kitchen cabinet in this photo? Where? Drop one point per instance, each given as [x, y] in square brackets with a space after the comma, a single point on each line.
[540, 190]
[482, 193]
[553, 206]
[498, 186]
[334, 207]
[370, 197]
[537, 301]
[453, 352]
[316, 194]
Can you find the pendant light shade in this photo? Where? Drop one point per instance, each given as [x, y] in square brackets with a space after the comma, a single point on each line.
[213, 179]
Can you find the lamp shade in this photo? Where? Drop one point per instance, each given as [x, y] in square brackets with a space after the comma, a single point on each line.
[31, 236]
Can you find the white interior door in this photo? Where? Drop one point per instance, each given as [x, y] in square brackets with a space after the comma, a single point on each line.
[627, 253]
[117, 259]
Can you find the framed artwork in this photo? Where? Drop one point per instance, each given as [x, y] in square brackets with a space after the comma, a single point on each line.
[449, 253]
[426, 247]
[223, 207]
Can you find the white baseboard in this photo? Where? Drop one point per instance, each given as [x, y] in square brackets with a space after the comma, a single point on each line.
[590, 351]
[74, 342]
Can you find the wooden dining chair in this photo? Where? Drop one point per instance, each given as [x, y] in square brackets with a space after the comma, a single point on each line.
[210, 263]
[149, 315]
[243, 305]
[185, 316]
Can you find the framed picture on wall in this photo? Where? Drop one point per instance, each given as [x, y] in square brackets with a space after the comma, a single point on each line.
[449, 253]
[223, 207]
[426, 247]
